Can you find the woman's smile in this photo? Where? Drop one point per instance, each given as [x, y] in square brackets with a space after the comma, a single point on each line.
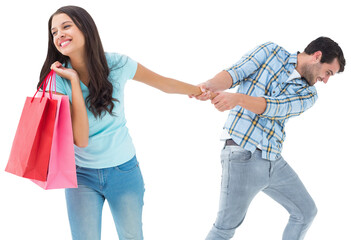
[65, 43]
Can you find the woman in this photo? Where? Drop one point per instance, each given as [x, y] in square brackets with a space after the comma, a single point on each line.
[107, 167]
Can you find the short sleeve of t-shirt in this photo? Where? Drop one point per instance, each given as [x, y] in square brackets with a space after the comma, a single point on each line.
[121, 67]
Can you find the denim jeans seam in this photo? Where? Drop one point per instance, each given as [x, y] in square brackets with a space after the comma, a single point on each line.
[228, 183]
[127, 171]
[225, 182]
[287, 199]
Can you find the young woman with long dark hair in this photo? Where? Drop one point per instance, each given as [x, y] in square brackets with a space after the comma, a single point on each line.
[107, 167]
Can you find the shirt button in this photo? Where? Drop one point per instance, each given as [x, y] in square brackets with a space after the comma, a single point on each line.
[289, 72]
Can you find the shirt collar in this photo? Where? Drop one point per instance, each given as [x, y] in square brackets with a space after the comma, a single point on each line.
[293, 58]
[294, 75]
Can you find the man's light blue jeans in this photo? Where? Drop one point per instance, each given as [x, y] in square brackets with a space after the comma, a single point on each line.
[123, 188]
[244, 174]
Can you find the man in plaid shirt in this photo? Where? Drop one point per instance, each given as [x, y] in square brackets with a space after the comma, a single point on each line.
[273, 86]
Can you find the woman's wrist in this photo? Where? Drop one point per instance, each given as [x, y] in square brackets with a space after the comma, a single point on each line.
[75, 81]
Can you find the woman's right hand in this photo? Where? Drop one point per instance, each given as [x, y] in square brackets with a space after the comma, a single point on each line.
[206, 93]
[80, 121]
[67, 73]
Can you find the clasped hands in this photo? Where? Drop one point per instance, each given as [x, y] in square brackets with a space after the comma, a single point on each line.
[222, 101]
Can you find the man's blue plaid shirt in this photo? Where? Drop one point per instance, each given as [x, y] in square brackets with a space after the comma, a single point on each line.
[263, 72]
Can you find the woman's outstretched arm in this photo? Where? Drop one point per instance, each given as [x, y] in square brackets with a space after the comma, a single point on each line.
[167, 85]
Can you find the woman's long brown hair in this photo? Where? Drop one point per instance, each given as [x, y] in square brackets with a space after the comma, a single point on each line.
[100, 88]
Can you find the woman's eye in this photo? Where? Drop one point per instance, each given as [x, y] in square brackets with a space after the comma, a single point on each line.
[53, 33]
[66, 26]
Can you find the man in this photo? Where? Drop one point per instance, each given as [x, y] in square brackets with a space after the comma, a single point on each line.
[273, 86]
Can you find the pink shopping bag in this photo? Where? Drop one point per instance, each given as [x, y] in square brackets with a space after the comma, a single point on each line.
[30, 152]
[62, 168]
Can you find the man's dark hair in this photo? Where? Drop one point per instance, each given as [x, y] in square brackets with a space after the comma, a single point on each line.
[330, 50]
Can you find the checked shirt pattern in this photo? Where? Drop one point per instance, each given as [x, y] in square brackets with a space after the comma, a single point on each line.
[263, 72]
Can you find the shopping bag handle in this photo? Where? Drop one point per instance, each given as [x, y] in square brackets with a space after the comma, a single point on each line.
[52, 79]
[48, 81]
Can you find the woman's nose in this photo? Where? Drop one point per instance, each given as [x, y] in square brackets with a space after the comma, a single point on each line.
[60, 34]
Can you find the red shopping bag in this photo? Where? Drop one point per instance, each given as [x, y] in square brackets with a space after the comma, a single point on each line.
[30, 152]
[62, 167]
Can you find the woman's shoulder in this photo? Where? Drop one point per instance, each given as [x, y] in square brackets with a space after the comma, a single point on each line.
[120, 62]
[115, 59]
[121, 66]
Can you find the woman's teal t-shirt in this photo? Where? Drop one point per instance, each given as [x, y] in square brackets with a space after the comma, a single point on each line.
[109, 141]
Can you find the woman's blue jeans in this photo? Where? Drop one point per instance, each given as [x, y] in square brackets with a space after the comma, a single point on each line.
[123, 188]
[244, 174]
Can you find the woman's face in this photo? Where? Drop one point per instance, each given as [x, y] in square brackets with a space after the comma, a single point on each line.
[67, 37]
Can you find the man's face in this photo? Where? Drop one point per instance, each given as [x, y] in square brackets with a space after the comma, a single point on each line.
[319, 72]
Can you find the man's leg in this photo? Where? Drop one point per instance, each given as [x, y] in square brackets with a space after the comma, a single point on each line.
[288, 190]
[243, 176]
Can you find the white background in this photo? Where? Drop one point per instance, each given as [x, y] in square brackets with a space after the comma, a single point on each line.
[177, 139]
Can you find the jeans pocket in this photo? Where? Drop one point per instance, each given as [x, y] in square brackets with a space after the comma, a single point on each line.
[239, 154]
[128, 166]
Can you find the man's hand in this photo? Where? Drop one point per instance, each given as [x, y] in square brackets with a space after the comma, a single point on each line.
[218, 83]
[226, 101]
[205, 95]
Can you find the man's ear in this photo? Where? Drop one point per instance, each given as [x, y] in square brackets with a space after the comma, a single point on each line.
[317, 56]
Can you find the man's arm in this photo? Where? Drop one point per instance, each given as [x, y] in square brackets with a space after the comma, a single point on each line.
[218, 83]
[234, 75]
[287, 106]
[276, 108]
[226, 101]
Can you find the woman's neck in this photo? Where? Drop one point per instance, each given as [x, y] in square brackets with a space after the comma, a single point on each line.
[79, 65]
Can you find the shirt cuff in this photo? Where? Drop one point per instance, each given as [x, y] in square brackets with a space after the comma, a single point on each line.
[271, 107]
[234, 76]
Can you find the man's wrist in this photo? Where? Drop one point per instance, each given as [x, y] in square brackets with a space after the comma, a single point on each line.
[239, 99]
